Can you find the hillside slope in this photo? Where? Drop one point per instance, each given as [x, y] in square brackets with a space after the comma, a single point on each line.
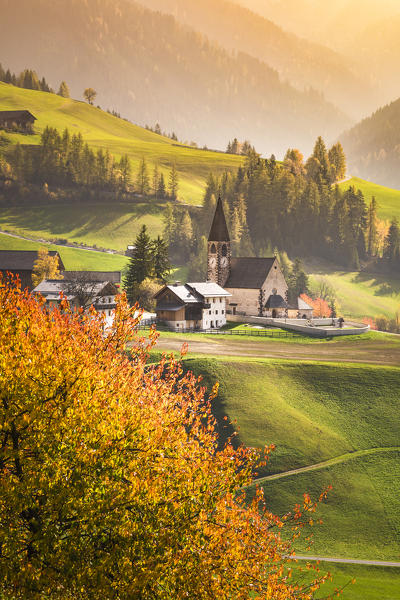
[298, 61]
[102, 130]
[372, 146]
[313, 412]
[150, 68]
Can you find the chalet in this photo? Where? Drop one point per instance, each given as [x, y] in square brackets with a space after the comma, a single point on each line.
[22, 120]
[192, 306]
[99, 294]
[21, 262]
[256, 285]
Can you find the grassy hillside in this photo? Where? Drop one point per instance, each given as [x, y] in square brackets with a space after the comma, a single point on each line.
[314, 412]
[388, 199]
[359, 294]
[73, 258]
[102, 130]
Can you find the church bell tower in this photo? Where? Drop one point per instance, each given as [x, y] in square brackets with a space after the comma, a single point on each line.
[219, 248]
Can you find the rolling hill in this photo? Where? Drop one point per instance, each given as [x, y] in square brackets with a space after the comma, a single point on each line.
[150, 68]
[102, 130]
[314, 413]
[302, 63]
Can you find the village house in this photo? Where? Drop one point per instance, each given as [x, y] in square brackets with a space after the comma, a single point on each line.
[81, 294]
[256, 285]
[21, 120]
[21, 262]
[192, 306]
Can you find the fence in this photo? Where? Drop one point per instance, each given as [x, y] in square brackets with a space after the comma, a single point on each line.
[267, 332]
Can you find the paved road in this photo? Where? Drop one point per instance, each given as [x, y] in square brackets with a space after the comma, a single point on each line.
[351, 561]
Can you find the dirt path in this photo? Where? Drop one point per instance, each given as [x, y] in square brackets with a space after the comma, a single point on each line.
[351, 561]
[378, 352]
[328, 463]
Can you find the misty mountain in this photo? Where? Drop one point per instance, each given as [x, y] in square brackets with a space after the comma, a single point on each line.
[302, 63]
[372, 146]
[331, 23]
[151, 68]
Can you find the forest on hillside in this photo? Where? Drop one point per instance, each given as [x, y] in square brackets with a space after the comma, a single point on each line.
[373, 146]
[151, 68]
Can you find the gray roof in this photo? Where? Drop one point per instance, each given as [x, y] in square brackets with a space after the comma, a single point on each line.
[219, 230]
[182, 292]
[16, 114]
[301, 305]
[113, 276]
[276, 301]
[249, 273]
[53, 287]
[22, 260]
[208, 289]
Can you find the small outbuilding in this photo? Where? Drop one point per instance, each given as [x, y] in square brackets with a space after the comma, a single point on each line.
[21, 120]
[300, 310]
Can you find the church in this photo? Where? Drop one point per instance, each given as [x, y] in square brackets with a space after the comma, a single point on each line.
[252, 282]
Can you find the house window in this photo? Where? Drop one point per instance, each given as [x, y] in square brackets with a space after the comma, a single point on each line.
[223, 312]
[224, 250]
[216, 312]
[177, 324]
[209, 312]
[213, 249]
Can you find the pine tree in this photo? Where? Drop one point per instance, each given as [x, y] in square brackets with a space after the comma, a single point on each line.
[160, 259]
[162, 192]
[185, 234]
[143, 180]
[125, 168]
[372, 227]
[173, 183]
[391, 250]
[156, 181]
[140, 265]
[64, 90]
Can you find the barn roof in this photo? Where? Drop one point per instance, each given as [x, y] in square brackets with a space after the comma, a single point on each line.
[113, 276]
[16, 114]
[219, 230]
[23, 260]
[249, 273]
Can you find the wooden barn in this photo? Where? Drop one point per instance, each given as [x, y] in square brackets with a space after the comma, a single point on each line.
[22, 120]
[21, 262]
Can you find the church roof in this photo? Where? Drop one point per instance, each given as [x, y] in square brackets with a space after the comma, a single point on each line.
[219, 230]
[249, 273]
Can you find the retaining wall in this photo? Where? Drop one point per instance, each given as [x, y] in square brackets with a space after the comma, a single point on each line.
[319, 327]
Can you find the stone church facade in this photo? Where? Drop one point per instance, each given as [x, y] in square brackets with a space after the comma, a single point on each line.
[250, 281]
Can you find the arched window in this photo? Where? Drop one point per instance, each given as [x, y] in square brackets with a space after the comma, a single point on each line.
[213, 249]
[224, 250]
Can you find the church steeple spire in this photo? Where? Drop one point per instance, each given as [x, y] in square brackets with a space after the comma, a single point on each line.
[219, 248]
[219, 230]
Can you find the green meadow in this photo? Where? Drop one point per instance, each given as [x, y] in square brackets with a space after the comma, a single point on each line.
[339, 425]
[388, 199]
[102, 130]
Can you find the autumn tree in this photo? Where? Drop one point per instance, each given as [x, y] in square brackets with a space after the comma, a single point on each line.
[45, 267]
[63, 90]
[90, 95]
[112, 484]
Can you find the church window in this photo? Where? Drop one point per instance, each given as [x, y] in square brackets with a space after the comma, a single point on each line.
[213, 249]
[224, 250]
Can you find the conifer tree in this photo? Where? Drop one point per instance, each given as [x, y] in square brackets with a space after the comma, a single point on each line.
[160, 259]
[162, 192]
[140, 265]
[142, 179]
[337, 160]
[173, 183]
[125, 168]
[391, 250]
[156, 181]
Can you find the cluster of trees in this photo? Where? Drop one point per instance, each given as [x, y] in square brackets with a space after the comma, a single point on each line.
[65, 159]
[148, 268]
[30, 80]
[236, 147]
[293, 206]
[157, 129]
[154, 184]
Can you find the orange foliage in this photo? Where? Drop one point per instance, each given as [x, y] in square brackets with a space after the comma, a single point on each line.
[370, 322]
[320, 306]
[111, 485]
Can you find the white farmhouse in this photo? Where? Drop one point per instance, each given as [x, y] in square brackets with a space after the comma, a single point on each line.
[192, 305]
